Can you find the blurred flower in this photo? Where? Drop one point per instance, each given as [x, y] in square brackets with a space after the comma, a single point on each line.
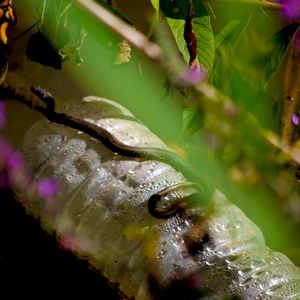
[195, 74]
[9, 157]
[14, 175]
[15, 160]
[12, 172]
[2, 114]
[230, 108]
[290, 9]
[47, 187]
[295, 119]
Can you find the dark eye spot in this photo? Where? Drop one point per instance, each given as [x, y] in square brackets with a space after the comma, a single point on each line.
[195, 246]
[196, 238]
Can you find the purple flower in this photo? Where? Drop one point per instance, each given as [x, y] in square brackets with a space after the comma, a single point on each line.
[290, 9]
[14, 175]
[2, 114]
[47, 187]
[9, 157]
[295, 119]
[5, 149]
[195, 74]
[230, 108]
[15, 160]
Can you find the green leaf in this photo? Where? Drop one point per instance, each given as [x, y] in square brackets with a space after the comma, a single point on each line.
[192, 116]
[225, 43]
[154, 22]
[267, 61]
[155, 4]
[176, 13]
[249, 85]
[231, 33]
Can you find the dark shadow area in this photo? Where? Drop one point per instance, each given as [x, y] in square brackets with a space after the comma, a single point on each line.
[33, 267]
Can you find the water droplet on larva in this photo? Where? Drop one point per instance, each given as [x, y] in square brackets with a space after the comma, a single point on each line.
[211, 261]
[232, 259]
[123, 207]
[275, 289]
[177, 229]
[275, 260]
[245, 271]
[184, 254]
[265, 284]
[258, 264]
[246, 282]
[276, 279]
[178, 242]
[237, 224]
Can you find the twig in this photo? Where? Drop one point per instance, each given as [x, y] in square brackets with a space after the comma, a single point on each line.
[136, 38]
[263, 4]
[290, 93]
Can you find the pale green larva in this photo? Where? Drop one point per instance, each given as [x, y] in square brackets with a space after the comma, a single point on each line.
[209, 250]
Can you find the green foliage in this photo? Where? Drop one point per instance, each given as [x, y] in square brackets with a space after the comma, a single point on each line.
[176, 14]
[225, 43]
[267, 61]
[243, 80]
[155, 4]
[192, 117]
[249, 84]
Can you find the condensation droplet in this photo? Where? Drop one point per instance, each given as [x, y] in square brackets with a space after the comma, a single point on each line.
[122, 207]
[184, 254]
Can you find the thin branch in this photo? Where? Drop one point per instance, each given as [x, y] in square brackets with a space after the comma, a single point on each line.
[290, 93]
[263, 4]
[136, 38]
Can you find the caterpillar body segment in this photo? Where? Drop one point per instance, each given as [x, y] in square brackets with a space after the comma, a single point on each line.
[206, 251]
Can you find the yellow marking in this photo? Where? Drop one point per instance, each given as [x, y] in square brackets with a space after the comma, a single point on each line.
[9, 18]
[177, 149]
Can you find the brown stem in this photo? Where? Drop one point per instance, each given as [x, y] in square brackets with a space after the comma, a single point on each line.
[290, 93]
[263, 4]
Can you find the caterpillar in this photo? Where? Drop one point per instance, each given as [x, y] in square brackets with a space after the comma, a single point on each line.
[116, 211]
